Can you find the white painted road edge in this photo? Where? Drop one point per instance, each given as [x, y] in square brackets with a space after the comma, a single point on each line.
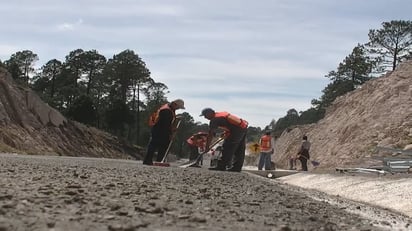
[393, 194]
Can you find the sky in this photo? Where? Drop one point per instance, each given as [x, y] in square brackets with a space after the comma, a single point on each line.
[255, 59]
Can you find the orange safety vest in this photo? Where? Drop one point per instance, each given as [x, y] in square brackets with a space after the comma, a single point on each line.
[154, 117]
[233, 119]
[197, 141]
[265, 144]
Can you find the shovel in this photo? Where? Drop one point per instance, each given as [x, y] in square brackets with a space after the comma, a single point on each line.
[193, 162]
[163, 162]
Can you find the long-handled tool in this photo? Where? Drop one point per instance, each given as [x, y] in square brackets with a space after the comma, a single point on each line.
[199, 157]
[163, 162]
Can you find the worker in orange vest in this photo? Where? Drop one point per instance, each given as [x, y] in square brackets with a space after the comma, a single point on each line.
[197, 144]
[234, 145]
[162, 130]
[267, 145]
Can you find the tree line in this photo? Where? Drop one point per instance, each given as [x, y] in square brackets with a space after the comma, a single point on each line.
[386, 48]
[118, 94]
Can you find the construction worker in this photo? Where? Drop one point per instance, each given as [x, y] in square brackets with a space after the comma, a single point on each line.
[162, 130]
[197, 144]
[303, 154]
[234, 144]
[267, 145]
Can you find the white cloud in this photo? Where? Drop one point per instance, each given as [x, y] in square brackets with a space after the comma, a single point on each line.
[7, 50]
[69, 26]
[256, 59]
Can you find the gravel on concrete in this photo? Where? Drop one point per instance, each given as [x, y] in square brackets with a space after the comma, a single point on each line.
[63, 193]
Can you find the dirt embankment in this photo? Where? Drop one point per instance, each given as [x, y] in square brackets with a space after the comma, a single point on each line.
[28, 125]
[377, 114]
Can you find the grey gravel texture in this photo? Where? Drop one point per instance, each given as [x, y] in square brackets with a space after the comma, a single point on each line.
[62, 193]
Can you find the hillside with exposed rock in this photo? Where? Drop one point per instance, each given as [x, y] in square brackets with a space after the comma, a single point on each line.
[28, 125]
[377, 114]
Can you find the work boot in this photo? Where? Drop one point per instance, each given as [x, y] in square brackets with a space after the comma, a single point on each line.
[233, 169]
[219, 167]
[216, 169]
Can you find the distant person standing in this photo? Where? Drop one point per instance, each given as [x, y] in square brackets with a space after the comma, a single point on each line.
[162, 123]
[303, 154]
[234, 143]
[267, 145]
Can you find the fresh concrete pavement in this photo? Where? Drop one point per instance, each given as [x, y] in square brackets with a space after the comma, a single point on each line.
[393, 192]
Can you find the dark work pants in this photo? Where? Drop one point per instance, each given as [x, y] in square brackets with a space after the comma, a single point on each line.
[193, 152]
[265, 160]
[304, 157]
[234, 149]
[304, 163]
[156, 144]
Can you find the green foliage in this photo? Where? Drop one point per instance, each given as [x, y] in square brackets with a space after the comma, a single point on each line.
[20, 65]
[312, 115]
[291, 118]
[253, 134]
[14, 69]
[356, 67]
[40, 85]
[118, 116]
[392, 43]
[333, 90]
[83, 110]
[125, 70]
[92, 65]
[351, 73]
[155, 94]
[45, 82]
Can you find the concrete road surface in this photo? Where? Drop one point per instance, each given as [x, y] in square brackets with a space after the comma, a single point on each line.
[63, 193]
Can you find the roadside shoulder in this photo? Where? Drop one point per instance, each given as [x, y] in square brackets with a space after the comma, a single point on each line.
[390, 192]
